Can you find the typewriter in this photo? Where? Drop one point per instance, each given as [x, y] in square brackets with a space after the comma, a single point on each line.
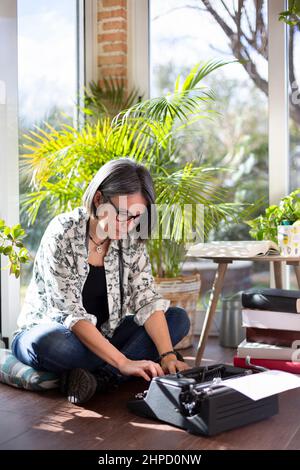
[198, 400]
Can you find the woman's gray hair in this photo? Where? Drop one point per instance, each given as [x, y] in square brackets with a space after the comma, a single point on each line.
[120, 177]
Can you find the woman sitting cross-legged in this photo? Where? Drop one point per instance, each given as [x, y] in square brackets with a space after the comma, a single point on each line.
[91, 312]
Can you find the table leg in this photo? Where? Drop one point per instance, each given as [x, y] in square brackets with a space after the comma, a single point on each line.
[278, 274]
[297, 272]
[211, 309]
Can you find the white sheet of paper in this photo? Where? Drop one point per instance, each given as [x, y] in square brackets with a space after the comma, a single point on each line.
[264, 384]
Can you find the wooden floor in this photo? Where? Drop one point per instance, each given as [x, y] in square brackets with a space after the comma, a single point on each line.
[47, 421]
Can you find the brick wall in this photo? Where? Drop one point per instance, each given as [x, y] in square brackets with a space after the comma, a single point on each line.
[112, 39]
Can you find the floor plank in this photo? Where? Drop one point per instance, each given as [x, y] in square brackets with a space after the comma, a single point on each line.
[47, 421]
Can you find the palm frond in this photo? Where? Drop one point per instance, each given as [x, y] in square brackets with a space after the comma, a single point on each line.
[202, 70]
[174, 105]
[109, 99]
[188, 98]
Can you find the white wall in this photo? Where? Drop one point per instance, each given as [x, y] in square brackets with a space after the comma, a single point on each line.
[9, 174]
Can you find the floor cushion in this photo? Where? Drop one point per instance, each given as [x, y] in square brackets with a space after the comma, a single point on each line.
[15, 373]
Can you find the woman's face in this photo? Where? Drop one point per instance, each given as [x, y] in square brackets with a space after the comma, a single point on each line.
[119, 215]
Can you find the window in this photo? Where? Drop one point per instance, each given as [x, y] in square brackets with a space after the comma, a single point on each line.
[48, 84]
[185, 32]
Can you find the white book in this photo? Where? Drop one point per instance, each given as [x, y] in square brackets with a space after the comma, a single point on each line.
[238, 249]
[266, 319]
[265, 351]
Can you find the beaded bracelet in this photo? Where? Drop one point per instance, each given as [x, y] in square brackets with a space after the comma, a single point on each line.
[177, 354]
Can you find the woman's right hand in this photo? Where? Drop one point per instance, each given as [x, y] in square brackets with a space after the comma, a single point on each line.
[145, 369]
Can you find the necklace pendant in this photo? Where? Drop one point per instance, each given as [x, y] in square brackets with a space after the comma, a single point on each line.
[99, 250]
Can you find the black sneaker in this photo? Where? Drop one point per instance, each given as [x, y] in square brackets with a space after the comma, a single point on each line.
[81, 386]
[63, 382]
[106, 380]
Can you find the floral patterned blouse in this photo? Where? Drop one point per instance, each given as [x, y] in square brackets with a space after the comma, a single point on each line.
[60, 270]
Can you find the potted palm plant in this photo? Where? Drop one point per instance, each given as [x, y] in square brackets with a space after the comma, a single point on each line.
[61, 162]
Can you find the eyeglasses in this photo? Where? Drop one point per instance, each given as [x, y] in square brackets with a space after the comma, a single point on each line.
[123, 215]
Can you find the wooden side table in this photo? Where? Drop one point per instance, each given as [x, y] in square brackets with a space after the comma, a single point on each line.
[222, 264]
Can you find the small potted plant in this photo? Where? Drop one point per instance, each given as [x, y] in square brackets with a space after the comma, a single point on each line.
[11, 245]
[265, 226]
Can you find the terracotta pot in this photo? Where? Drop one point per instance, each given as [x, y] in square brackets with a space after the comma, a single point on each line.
[182, 291]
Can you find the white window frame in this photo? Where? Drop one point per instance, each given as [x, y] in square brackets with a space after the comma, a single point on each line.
[9, 156]
[138, 57]
[278, 104]
[278, 131]
[91, 41]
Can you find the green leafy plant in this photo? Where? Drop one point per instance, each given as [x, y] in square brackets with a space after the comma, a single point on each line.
[60, 164]
[108, 99]
[11, 245]
[264, 227]
[292, 15]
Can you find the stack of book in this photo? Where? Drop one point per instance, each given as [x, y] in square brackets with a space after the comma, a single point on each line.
[272, 321]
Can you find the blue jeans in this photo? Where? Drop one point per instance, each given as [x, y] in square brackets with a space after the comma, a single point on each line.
[53, 347]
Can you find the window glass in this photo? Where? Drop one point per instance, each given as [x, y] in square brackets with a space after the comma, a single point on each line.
[47, 74]
[186, 32]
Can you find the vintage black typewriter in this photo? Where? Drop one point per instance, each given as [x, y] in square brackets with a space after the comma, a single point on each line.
[197, 401]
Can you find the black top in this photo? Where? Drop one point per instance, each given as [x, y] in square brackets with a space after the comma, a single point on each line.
[94, 294]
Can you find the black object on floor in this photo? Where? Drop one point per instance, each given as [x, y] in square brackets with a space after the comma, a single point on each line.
[276, 300]
[193, 400]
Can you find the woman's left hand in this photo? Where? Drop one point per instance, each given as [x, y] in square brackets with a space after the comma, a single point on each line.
[170, 365]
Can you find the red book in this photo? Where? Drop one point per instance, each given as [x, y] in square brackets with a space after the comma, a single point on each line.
[287, 366]
[282, 338]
